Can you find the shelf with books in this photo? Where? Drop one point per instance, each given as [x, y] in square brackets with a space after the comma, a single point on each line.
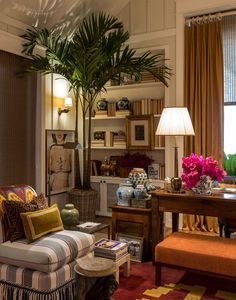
[111, 147]
[134, 85]
[147, 98]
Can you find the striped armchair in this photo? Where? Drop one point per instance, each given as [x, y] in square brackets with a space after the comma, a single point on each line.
[43, 269]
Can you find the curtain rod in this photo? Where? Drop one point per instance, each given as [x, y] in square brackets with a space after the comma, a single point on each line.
[215, 14]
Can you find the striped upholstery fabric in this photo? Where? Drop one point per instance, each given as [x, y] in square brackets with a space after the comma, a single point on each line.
[20, 192]
[38, 280]
[49, 253]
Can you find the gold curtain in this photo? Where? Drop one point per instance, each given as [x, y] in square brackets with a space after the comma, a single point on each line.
[204, 97]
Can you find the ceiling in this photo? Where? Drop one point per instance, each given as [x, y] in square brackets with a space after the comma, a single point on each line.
[62, 15]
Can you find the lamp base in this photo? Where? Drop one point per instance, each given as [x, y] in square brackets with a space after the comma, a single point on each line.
[176, 184]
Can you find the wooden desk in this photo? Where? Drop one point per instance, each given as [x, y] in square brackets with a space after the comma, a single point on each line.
[134, 215]
[216, 205]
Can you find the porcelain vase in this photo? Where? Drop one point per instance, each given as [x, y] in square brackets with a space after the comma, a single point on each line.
[124, 193]
[70, 215]
[204, 185]
[137, 176]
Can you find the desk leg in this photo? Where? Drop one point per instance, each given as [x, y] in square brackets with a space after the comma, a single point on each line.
[175, 222]
[157, 230]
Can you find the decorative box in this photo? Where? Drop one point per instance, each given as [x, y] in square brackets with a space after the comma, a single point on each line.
[141, 203]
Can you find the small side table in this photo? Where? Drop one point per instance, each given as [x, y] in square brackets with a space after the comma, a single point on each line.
[124, 260]
[94, 275]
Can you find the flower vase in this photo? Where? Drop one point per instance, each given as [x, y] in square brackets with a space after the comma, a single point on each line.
[137, 176]
[203, 186]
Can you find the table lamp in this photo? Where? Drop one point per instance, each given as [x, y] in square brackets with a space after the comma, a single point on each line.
[175, 121]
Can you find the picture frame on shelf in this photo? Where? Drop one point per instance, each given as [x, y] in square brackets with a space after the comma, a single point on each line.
[139, 132]
[135, 245]
[59, 161]
[154, 171]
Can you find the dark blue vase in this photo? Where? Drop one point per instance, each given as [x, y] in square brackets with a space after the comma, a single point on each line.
[123, 104]
[102, 104]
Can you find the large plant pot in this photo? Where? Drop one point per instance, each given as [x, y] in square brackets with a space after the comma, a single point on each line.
[85, 202]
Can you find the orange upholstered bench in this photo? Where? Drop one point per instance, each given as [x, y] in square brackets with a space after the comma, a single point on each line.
[197, 253]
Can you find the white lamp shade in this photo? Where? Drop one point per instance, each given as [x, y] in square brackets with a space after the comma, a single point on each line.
[60, 88]
[175, 121]
[68, 102]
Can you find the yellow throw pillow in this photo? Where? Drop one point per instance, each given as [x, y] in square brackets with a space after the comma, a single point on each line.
[41, 222]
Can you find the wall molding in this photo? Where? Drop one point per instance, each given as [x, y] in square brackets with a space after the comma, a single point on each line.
[151, 36]
[11, 43]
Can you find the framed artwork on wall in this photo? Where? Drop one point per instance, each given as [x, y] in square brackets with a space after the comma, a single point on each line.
[135, 245]
[139, 132]
[59, 161]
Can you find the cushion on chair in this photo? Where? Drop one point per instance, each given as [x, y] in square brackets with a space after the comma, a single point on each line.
[13, 209]
[20, 192]
[41, 222]
[200, 252]
[39, 280]
[47, 254]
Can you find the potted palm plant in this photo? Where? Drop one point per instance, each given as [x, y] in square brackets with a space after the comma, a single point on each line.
[96, 53]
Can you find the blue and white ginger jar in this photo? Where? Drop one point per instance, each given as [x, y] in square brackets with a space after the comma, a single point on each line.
[140, 192]
[102, 104]
[124, 193]
[137, 176]
[123, 104]
[204, 185]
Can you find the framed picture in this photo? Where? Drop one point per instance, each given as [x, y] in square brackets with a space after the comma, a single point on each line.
[154, 171]
[135, 245]
[139, 131]
[59, 161]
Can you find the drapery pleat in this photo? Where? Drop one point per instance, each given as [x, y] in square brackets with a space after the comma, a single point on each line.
[204, 97]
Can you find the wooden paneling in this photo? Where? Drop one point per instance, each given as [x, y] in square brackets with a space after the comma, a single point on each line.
[156, 15]
[170, 14]
[138, 16]
[17, 121]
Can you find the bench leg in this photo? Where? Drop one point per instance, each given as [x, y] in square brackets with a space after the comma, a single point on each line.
[158, 274]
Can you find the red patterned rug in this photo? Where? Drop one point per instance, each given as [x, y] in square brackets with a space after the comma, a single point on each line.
[177, 285]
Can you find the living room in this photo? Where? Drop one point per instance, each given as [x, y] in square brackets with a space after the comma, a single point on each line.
[40, 117]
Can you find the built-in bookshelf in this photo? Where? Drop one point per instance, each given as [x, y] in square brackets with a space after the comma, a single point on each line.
[147, 97]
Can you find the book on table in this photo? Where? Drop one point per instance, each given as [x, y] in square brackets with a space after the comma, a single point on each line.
[88, 225]
[110, 248]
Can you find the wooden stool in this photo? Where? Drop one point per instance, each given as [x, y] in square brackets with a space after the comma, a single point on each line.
[88, 270]
[126, 261]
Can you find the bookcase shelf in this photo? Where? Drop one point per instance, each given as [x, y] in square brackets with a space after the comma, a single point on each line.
[134, 85]
[106, 185]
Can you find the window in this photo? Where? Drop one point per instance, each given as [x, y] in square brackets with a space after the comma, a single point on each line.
[229, 50]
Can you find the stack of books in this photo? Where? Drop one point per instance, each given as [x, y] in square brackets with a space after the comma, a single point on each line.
[110, 249]
[162, 172]
[87, 226]
[111, 109]
[122, 113]
[159, 141]
[119, 140]
[101, 113]
[148, 106]
[97, 143]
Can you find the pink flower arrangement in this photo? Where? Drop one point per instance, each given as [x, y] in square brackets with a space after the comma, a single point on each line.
[195, 166]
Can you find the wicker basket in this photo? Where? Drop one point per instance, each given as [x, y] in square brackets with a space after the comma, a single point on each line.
[85, 202]
[141, 203]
